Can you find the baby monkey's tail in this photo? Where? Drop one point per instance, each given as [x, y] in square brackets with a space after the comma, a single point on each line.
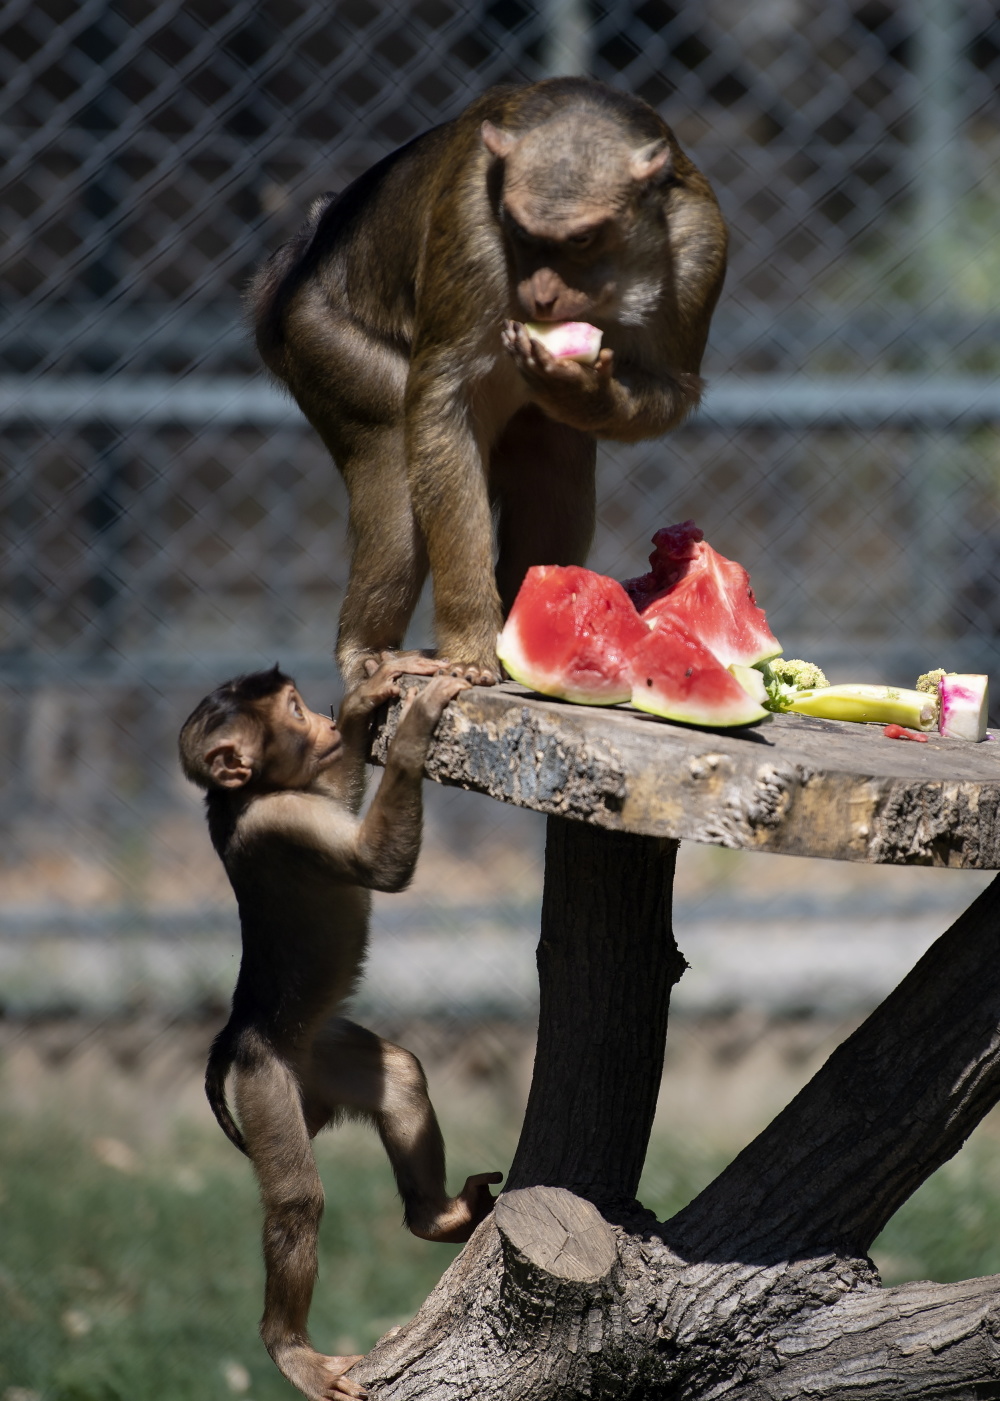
[220, 1058]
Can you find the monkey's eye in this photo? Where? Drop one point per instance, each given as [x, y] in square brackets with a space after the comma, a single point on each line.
[296, 708]
[581, 240]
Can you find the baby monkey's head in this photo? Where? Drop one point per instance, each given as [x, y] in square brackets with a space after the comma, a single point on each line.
[256, 733]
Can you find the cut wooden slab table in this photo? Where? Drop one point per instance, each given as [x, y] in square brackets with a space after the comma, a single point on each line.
[792, 784]
[761, 1288]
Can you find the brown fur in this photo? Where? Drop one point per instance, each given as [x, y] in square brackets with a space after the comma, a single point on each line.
[284, 789]
[395, 320]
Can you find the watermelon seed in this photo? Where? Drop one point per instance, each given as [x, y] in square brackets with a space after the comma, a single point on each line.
[689, 670]
[649, 681]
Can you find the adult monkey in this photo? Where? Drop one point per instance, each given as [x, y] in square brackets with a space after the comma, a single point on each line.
[395, 318]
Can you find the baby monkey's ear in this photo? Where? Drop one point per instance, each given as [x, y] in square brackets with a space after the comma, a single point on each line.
[228, 766]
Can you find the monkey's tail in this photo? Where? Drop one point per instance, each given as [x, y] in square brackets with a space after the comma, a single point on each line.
[220, 1058]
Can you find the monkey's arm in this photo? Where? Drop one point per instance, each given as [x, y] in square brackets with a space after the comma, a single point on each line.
[380, 850]
[388, 837]
[355, 718]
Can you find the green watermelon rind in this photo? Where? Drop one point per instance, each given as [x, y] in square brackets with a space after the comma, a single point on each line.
[638, 697]
[545, 683]
[719, 719]
[657, 691]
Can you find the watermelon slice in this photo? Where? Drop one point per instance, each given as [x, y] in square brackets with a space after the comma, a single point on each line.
[568, 634]
[675, 677]
[706, 594]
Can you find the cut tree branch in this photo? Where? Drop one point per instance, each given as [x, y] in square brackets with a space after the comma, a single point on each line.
[916, 1341]
[893, 1103]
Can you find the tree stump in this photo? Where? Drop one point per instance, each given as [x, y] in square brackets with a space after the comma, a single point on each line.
[760, 1288]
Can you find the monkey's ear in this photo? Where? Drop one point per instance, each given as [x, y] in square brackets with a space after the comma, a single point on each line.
[498, 142]
[228, 767]
[653, 160]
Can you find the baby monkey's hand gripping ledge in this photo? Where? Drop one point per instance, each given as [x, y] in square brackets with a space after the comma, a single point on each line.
[283, 790]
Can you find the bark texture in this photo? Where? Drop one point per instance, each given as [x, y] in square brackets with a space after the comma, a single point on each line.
[760, 1289]
[606, 963]
[792, 784]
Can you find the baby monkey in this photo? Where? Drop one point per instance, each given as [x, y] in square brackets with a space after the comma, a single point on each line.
[284, 786]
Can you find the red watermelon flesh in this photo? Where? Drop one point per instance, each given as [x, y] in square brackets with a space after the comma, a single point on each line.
[568, 634]
[710, 596]
[675, 677]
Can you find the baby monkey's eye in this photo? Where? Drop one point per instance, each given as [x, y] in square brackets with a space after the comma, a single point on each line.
[296, 708]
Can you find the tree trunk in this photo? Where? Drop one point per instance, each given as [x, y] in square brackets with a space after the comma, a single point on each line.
[760, 1289]
[606, 963]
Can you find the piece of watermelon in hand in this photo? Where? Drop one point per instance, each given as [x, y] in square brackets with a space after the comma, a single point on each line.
[706, 594]
[567, 340]
[569, 634]
[676, 677]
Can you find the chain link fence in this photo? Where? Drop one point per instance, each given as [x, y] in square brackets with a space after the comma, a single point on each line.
[169, 518]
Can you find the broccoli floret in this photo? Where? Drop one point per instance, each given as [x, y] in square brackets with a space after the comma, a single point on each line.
[785, 677]
[930, 679]
[804, 676]
[802, 687]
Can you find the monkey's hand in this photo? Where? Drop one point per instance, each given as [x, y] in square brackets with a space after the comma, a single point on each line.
[457, 1220]
[421, 712]
[381, 683]
[579, 395]
[316, 1376]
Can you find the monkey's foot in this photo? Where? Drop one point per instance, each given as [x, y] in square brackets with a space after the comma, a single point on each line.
[316, 1376]
[473, 673]
[427, 662]
[356, 667]
[459, 1217]
[472, 661]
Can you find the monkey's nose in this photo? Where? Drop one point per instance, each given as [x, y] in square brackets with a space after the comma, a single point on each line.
[543, 310]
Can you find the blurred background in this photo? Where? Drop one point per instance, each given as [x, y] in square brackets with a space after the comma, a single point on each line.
[169, 518]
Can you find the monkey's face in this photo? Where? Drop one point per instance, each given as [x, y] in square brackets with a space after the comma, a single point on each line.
[298, 744]
[564, 268]
[574, 217]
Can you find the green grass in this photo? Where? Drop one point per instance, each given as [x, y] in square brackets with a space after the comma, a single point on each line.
[950, 1228]
[148, 1283]
[142, 1280]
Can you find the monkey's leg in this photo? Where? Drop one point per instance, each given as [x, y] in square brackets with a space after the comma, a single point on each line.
[542, 477]
[448, 487]
[354, 1070]
[350, 386]
[268, 1100]
[388, 558]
